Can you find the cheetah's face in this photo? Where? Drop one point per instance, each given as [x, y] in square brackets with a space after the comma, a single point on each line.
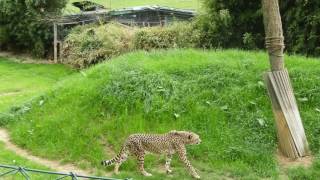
[188, 137]
[193, 138]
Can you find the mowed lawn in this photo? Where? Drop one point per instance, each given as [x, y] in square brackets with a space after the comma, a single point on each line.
[115, 4]
[19, 82]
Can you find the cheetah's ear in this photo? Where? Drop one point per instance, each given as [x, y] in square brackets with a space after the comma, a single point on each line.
[174, 132]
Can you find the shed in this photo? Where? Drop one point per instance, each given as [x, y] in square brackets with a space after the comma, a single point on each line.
[150, 15]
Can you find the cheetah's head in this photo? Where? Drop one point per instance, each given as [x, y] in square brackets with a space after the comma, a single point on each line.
[187, 137]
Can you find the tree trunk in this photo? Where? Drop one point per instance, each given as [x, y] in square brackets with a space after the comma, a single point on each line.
[274, 34]
[291, 135]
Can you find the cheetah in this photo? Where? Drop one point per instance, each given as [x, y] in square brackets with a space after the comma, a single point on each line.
[168, 144]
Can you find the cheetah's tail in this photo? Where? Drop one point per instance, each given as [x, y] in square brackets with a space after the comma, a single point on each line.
[115, 159]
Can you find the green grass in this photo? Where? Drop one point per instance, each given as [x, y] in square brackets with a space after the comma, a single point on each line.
[20, 82]
[218, 94]
[9, 158]
[116, 4]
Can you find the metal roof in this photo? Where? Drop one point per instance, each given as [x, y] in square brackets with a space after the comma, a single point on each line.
[92, 15]
[130, 10]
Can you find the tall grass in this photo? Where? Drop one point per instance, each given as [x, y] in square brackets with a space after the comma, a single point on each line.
[219, 95]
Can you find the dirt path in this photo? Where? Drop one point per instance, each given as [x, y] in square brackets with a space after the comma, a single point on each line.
[54, 165]
[24, 58]
[9, 94]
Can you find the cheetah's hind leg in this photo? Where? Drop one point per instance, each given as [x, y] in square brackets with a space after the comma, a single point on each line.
[140, 158]
[122, 159]
[137, 150]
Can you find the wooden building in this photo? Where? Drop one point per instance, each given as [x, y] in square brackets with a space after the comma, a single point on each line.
[150, 15]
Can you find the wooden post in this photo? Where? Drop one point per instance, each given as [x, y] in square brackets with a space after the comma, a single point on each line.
[166, 20]
[55, 43]
[60, 50]
[291, 135]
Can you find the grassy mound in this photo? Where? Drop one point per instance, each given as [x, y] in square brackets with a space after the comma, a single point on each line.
[220, 95]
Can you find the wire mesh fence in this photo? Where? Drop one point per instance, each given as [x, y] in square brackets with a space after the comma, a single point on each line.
[18, 172]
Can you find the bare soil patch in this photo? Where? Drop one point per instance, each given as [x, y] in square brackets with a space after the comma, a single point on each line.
[24, 58]
[286, 163]
[10, 93]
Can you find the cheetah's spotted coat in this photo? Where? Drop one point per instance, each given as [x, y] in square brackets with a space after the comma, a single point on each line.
[168, 144]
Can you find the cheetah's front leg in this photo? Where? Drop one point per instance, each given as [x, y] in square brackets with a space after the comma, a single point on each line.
[168, 163]
[183, 157]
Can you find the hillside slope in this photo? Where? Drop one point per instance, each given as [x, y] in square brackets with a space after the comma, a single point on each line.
[218, 94]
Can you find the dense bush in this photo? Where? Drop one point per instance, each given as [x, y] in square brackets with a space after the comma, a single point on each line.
[178, 35]
[90, 44]
[229, 23]
[24, 25]
[301, 26]
[4, 36]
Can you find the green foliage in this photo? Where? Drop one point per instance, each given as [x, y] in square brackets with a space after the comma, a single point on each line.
[178, 35]
[219, 95]
[90, 44]
[26, 23]
[4, 36]
[38, 49]
[301, 26]
[249, 41]
[215, 29]
[244, 27]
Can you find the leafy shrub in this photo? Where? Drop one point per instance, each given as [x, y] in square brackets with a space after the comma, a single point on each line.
[26, 24]
[215, 29]
[4, 36]
[178, 35]
[239, 24]
[249, 41]
[38, 49]
[5, 119]
[301, 26]
[90, 44]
